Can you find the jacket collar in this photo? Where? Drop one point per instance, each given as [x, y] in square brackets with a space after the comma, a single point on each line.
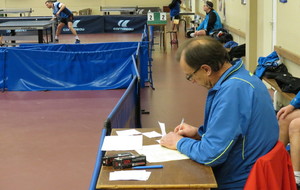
[237, 64]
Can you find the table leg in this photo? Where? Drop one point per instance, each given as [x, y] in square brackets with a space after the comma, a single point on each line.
[164, 37]
[13, 33]
[40, 36]
[53, 32]
[47, 36]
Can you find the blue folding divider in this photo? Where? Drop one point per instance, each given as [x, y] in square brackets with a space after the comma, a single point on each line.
[81, 47]
[2, 68]
[125, 114]
[142, 58]
[141, 51]
[49, 70]
[98, 163]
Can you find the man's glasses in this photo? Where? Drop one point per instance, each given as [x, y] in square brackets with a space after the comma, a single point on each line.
[189, 76]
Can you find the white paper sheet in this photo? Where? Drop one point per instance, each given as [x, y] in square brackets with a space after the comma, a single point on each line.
[122, 142]
[162, 128]
[128, 132]
[152, 134]
[140, 175]
[157, 153]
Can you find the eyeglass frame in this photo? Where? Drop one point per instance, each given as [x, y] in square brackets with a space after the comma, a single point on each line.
[189, 76]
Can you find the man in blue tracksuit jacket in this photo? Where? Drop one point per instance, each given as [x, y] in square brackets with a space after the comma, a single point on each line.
[240, 124]
[289, 125]
[211, 22]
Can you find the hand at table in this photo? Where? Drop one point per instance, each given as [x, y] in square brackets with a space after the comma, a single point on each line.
[170, 140]
[57, 14]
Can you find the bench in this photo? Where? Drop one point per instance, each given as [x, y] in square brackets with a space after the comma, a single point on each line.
[288, 96]
[274, 85]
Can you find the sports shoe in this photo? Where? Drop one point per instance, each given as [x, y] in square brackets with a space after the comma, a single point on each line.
[77, 41]
[56, 40]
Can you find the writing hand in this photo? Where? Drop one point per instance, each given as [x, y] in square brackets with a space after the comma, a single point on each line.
[187, 131]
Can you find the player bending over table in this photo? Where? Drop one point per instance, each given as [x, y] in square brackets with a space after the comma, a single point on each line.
[64, 16]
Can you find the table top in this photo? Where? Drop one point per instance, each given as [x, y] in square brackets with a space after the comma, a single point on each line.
[26, 24]
[26, 18]
[181, 174]
[186, 13]
[130, 9]
[5, 10]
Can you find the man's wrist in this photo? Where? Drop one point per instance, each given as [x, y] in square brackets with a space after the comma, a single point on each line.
[177, 143]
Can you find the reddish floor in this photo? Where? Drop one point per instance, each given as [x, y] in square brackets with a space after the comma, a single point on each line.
[174, 97]
[49, 140]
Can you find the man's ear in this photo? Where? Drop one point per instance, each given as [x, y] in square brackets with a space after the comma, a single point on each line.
[207, 69]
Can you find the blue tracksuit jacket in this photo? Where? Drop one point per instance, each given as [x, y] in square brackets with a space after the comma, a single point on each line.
[64, 14]
[240, 126]
[296, 101]
[204, 23]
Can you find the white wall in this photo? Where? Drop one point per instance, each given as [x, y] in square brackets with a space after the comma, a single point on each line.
[75, 5]
[288, 28]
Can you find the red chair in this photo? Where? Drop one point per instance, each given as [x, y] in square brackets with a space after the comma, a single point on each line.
[272, 171]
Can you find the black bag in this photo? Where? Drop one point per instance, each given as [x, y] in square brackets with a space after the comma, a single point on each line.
[237, 52]
[271, 72]
[288, 83]
[216, 33]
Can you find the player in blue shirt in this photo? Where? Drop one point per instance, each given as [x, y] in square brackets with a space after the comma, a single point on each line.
[64, 16]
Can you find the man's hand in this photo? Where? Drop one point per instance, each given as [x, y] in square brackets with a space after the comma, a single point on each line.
[186, 130]
[283, 112]
[170, 140]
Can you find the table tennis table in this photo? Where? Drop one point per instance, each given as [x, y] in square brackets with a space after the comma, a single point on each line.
[39, 25]
[130, 10]
[21, 12]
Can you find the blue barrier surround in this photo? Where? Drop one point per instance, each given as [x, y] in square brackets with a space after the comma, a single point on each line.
[121, 116]
[142, 51]
[126, 113]
[80, 47]
[143, 59]
[37, 76]
[98, 164]
[31, 70]
[149, 37]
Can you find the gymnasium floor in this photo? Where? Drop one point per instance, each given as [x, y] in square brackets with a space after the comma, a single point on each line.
[49, 140]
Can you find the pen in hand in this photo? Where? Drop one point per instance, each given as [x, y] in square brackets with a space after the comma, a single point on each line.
[182, 121]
